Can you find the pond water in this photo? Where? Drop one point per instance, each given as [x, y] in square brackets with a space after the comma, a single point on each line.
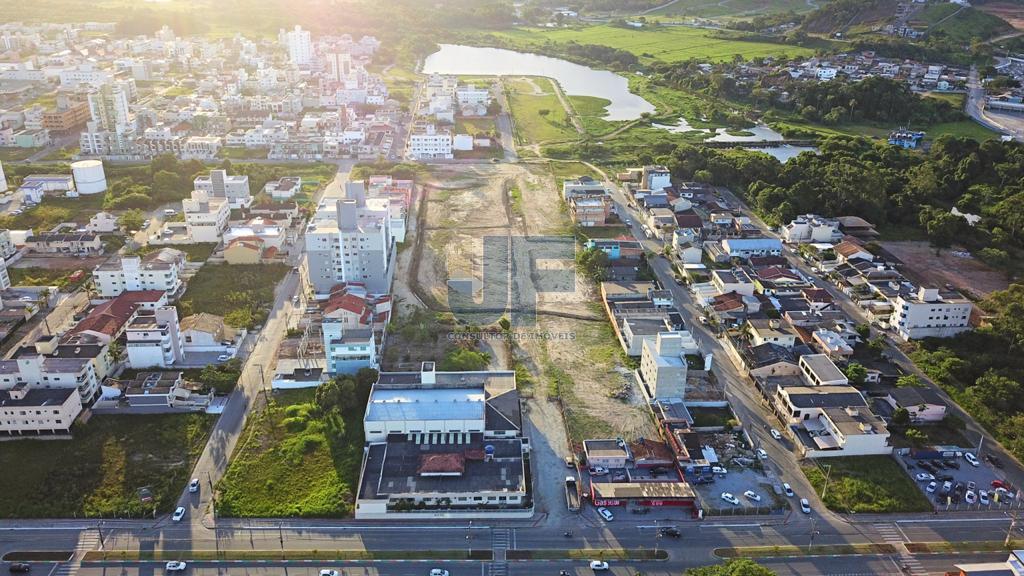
[785, 152]
[574, 79]
[760, 133]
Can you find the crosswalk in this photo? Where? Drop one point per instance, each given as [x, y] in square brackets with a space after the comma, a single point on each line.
[892, 535]
[88, 540]
[501, 539]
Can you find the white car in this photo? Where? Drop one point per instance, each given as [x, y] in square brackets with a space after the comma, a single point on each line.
[719, 470]
[193, 486]
[438, 572]
[598, 471]
[776, 434]
[931, 487]
[971, 459]
[983, 497]
[788, 489]
[970, 497]
[598, 565]
[175, 566]
[751, 495]
[223, 358]
[606, 514]
[730, 499]
[761, 454]
[805, 506]
[328, 573]
[179, 513]
[924, 477]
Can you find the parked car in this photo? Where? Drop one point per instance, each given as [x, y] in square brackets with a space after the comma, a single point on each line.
[971, 459]
[805, 506]
[761, 454]
[751, 495]
[787, 489]
[606, 514]
[730, 499]
[971, 485]
[998, 484]
[179, 513]
[970, 497]
[598, 471]
[175, 566]
[223, 358]
[193, 486]
[569, 462]
[931, 487]
[20, 567]
[776, 434]
[719, 470]
[947, 486]
[597, 565]
[943, 477]
[952, 464]
[438, 572]
[983, 498]
[328, 573]
[924, 477]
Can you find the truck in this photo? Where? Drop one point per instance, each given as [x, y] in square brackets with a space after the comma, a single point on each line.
[572, 494]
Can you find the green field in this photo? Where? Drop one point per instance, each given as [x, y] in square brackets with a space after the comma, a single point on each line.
[99, 472]
[35, 276]
[538, 117]
[474, 126]
[731, 9]
[866, 484]
[669, 44]
[16, 154]
[591, 111]
[294, 462]
[961, 24]
[242, 294]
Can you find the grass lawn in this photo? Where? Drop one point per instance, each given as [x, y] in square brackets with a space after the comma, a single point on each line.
[293, 462]
[737, 8]
[241, 153]
[174, 91]
[597, 232]
[195, 252]
[963, 128]
[538, 117]
[243, 294]
[15, 154]
[668, 44]
[100, 471]
[474, 126]
[871, 484]
[36, 276]
[591, 111]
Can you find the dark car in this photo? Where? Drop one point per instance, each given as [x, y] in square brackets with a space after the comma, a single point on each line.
[952, 464]
[671, 532]
[20, 567]
[994, 460]
[943, 477]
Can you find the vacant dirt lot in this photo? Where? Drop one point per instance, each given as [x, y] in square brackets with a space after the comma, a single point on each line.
[1008, 11]
[967, 274]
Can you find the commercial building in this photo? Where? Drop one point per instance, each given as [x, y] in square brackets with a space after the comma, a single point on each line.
[444, 444]
[160, 270]
[930, 313]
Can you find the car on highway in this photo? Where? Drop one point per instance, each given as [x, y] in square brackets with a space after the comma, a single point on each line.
[971, 459]
[193, 486]
[175, 566]
[751, 495]
[606, 514]
[223, 358]
[671, 532]
[20, 567]
[438, 572]
[931, 487]
[761, 454]
[805, 506]
[776, 434]
[179, 513]
[730, 499]
[788, 489]
[598, 565]
[924, 477]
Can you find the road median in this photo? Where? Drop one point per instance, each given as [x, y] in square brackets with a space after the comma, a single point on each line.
[789, 550]
[265, 555]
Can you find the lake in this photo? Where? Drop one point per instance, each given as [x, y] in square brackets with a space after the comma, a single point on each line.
[760, 133]
[574, 79]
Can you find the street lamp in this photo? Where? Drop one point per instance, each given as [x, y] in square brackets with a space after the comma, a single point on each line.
[825, 487]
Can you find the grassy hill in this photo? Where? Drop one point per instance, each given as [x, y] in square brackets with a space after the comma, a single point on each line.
[733, 8]
[844, 14]
[960, 23]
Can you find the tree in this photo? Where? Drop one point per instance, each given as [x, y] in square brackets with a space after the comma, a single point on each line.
[909, 381]
[856, 373]
[916, 437]
[900, 419]
[593, 263]
[166, 186]
[740, 567]
[132, 219]
[328, 395]
[464, 360]
[863, 330]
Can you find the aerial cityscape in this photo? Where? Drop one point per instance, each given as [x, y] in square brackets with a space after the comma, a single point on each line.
[499, 288]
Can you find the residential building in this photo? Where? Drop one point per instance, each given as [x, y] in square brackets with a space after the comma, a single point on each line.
[234, 188]
[7, 247]
[349, 242]
[300, 46]
[159, 270]
[582, 186]
[443, 444]
[663, 366]
[655, 178]
[931, 313]
[284, 188]
[102, 223]
[769, 360]
[27, 410]
[735, 280]
[348, 350]
[107, 321]
[610, 453]
[153, 339]
[765, 330]
[244, 250]
[267, 231]
[819, 370]
[428, 142]
[205, 216]
[810, 229]
[924, 404]
[208, 333]
[165, 390]
[62, 243]
[589, 211]
[745, 248]
[831, 344]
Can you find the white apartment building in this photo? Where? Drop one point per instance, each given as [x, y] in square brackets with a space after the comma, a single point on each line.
[205, 216]
[153, 339]
[234, 188]
[300, 46]
[85, 74]
[472, 94]
[108, 107]
[26, 410]
[7, 247]
[930, 314]
[158, 270]
[428, 142]
[349, 242]
[663, 366]
[50, 372]
[810, 229]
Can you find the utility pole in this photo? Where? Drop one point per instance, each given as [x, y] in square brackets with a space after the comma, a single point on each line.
[1009, 531]
[828, 474]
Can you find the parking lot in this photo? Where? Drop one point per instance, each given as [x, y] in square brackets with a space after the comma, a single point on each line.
[965, 482]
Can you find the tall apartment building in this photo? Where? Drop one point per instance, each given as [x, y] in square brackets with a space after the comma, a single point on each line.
[234, 188]
[158, 270]
[108, 107]
[300, 46]
[428, 142]
[205, 216]
[931, 314]
[153, 339]
[663, 366]
[349, 241]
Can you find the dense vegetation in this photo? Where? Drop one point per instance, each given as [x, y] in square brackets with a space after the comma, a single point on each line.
[741, 567]
[866, 484]
[983, 370]
[241, 293]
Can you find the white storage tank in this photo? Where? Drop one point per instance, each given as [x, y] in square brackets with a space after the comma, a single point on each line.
[89, 176]
[3, 179]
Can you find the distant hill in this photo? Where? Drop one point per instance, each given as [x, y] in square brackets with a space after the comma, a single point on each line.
[841, 15]
[959, 23]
